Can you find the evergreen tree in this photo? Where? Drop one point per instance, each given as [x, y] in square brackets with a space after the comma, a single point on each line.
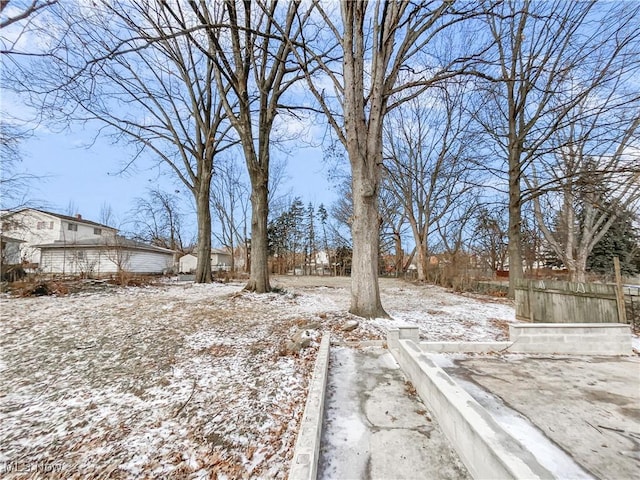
[622, 240]
[296, 218]
[310, 249]
[323, 217]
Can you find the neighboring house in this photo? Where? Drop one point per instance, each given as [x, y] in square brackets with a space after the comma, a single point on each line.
[99, 256]
[36, 227]
[220, 260]
[322, 258]
[187, 263]
[319, 267]
[10, 250]
[10, 261]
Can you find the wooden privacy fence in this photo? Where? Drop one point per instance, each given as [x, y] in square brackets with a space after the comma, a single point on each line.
[553, 301]
[632, 302]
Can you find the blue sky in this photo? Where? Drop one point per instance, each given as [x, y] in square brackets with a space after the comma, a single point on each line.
[89, 178]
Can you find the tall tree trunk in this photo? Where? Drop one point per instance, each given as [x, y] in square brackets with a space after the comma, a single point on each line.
[423, 258]
[419, 249]
[515, 236]
[579, 274]
[259, 273]
[203, 213]
[245, 249]
[515, 213]
[399, 253]
[365, 292]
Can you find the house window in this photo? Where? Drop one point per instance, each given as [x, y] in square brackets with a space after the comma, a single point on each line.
[6, 226]
[80, 255]
[50, 225]
[73, 227]
[41, 225]
[97, 231]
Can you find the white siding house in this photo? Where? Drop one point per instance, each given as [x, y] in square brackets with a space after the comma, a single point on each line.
[187, 263]
[220, 260]
[97, 257]
[36, 227]
[10, 249]
[10, 261]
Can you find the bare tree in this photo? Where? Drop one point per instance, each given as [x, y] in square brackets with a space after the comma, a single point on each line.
[392, 219]
[15, 18]
[107, 216]
[490, 239]
[428, 153]
[380, 48]
[250, 60]
[536, 47]
[17, 21]
[230, 203]
[130, 68]
[393, 222]
[14, 11]
[15, 182]
[454, 235]
[157, 219]
[116, 251]
[72, 209]
[593, 178]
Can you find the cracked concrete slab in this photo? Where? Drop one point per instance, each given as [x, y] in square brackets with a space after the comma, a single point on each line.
[376, 427]
[588, 406]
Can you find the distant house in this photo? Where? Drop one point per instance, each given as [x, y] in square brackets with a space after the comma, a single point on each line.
[36, 227]
[100, 256]
[10, 261]
[220, 261]
[54, 243]
[10, 250]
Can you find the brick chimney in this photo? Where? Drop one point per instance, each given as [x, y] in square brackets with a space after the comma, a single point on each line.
[78, 216]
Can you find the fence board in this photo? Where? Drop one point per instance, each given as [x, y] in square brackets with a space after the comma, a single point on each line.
[555, 301]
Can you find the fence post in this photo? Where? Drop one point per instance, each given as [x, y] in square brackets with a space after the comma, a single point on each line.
[530, 299]
[622, 314]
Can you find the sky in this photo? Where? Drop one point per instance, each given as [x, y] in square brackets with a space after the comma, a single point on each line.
[88, 176]
[79, 168]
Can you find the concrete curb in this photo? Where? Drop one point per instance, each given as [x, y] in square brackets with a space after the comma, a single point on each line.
[304, 465]
[485, 448]
[601, 339]
[359, 343]
[571, 338]
[465, 347]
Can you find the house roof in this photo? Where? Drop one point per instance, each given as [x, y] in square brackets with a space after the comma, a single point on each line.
[60, 216]
[106, 242]
[213, 250]
[11, 239]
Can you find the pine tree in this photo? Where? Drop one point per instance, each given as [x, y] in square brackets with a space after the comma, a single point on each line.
[322, 217]
[622, 240]
[311, 240]
[296, 218]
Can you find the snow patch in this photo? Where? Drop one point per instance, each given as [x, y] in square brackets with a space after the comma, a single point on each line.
[550, 456]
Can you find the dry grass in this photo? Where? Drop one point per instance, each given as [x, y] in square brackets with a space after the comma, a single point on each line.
[150, 382]
[184, 381]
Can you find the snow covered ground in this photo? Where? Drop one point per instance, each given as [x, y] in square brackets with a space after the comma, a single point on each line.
[185, 380]
[440, 314]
